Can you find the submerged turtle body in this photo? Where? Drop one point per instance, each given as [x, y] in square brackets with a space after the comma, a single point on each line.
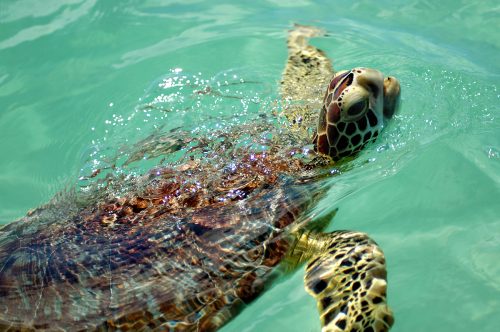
[195, 243]
[182, 254]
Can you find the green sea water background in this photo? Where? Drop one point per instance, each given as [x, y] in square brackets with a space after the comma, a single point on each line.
[80, 79]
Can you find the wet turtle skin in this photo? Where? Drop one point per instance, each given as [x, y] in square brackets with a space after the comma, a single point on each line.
[190, 244]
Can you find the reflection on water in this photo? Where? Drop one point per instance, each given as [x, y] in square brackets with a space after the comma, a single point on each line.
[183, 117]
[167, 231]
[72, 72]
[37, 31]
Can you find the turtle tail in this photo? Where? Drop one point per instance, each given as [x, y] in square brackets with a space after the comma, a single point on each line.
[347, 277]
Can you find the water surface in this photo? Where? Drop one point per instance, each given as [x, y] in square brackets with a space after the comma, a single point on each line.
[82, 81]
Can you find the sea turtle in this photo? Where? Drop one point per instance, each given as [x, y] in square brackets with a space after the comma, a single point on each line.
[190, 244]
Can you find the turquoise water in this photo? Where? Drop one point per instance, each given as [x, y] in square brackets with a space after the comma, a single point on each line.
[79, 86]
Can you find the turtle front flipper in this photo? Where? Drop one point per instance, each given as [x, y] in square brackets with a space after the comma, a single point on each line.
[346, 274]
[308, 71]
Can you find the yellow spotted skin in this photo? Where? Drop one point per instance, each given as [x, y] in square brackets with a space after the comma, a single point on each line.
[345, 270]
[308, 70]
[347, 277]
[352, 112]
[349, 114]
[346, 274]
[185, 247]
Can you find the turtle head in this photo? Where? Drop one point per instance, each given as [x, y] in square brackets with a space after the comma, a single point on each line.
[356, 104]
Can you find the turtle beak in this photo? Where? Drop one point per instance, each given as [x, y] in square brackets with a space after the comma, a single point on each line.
[392, 92]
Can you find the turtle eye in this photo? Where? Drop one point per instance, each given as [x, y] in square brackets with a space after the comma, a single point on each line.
[357, 108]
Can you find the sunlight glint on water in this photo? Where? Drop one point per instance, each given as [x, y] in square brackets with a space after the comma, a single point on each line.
[84, 84]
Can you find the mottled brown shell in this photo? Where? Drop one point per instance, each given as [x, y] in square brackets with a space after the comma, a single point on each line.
[182, 254]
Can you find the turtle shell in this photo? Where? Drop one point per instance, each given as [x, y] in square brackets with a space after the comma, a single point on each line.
[182, 254]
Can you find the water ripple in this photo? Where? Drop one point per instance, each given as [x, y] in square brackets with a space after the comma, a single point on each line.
[67, 17]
